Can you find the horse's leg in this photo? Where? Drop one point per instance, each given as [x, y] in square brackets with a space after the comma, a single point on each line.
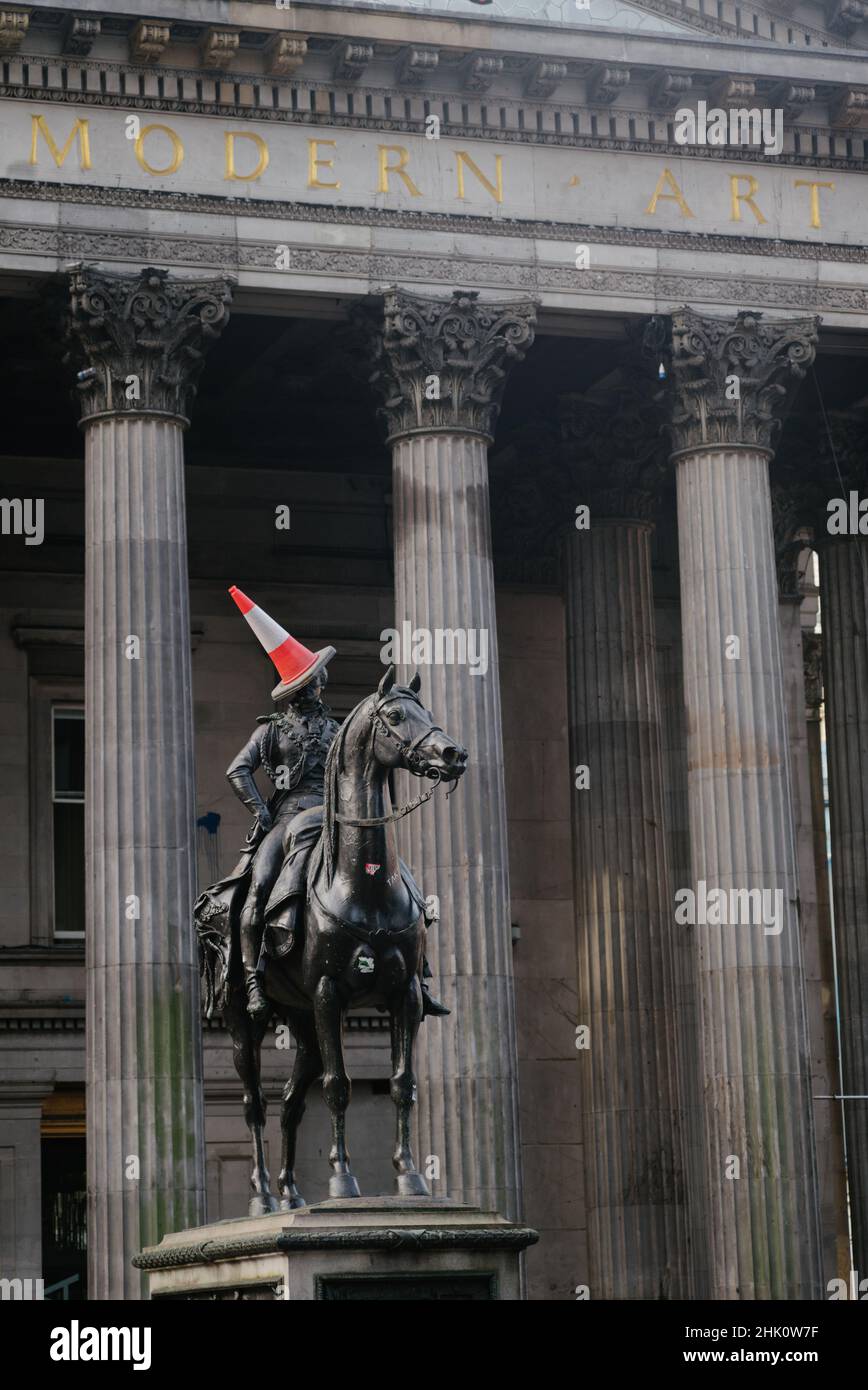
[335, 1084]
[247, 1035]
[405, 1016]
[308, 1066]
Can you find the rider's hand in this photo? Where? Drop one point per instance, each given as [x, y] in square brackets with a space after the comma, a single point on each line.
[264, 819]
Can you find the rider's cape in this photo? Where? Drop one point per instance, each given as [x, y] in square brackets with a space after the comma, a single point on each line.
[216, 911]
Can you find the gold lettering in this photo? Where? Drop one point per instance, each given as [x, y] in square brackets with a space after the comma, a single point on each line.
[80, 129]
[735, 197]
[815, 197]
[314, 162]
[399, 169]
[667, 180]
[495, 191]
[177, 150]
[230, 136]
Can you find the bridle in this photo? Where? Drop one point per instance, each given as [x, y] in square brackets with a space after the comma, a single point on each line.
[409, 750]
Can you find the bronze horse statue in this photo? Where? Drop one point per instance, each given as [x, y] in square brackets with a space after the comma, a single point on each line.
[347, 927]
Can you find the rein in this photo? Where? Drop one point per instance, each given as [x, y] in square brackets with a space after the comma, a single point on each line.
[415, 763]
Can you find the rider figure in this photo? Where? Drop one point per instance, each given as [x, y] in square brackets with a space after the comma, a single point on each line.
[291, 745]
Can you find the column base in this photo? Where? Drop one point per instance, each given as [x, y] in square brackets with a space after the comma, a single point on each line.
[353, 1249]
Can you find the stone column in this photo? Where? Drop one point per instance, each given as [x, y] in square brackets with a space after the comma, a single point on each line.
[633, 1114]
[843, 554]
[732, 379]
[141, 339]
[441, 369]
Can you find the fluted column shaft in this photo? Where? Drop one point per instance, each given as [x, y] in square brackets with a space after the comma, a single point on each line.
[440, 366]
[144, 1056]
[467, 1064]
[763, 1210]
[140, 340]
[844, 589]
[632, 1115]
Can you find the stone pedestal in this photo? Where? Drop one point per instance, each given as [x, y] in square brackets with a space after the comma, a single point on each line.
[367, 1249]
[440, 408]
[142, 339]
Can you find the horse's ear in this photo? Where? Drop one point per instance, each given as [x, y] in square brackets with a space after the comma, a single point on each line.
[387, 682]
[416, 684]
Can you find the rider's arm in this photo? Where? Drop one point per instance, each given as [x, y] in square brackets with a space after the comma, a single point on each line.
[240, 773]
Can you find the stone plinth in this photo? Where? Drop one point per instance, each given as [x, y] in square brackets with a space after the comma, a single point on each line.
[372, 1249]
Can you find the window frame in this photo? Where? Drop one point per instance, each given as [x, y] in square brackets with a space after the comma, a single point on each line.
[46, 695]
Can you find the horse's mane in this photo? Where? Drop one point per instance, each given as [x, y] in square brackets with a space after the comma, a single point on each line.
[333, 768]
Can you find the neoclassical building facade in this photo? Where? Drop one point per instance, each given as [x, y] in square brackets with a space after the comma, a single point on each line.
[421, 317]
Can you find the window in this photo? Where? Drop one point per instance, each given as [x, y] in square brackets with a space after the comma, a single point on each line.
[67, 795]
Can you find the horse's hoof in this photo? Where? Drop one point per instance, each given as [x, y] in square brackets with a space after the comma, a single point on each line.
[343, 1185]
[261, 1205]
[412, 1185]
[292, 1203]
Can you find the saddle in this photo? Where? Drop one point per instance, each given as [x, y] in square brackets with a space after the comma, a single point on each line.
[284, 912]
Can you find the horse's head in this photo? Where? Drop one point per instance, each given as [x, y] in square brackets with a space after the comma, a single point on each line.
[406, 735]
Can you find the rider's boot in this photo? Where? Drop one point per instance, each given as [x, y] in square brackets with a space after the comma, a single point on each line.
[430, 1005]
[251, 940]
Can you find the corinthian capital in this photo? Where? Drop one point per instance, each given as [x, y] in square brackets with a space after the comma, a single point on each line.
[441, 364]
[140, 340]
[613, 449]
[734, 378]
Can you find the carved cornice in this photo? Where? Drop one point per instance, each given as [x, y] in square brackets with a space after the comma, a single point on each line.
[733, 91]
[792, 98]
[14, 24]
[441, 364]
[852, 109]
[285, 54]
[669, 89]
[218, 49]
[142, 338]
[416, 64]
[613, 448]
[149, 41]
[543, 78]
[606, 84]
[79, 35]
[479, 71]
[351, 60]
[734, 377]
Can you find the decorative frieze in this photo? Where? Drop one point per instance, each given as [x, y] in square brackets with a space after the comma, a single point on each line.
[79, 34]
[218, 48]
[606, 84]
[351, 61]
[734, 377]
[141, 338]
[13, 27]
[440, 364]
[285, 54]
[149, 41]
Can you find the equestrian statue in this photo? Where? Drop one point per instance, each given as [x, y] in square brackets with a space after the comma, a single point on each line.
[320, 914]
